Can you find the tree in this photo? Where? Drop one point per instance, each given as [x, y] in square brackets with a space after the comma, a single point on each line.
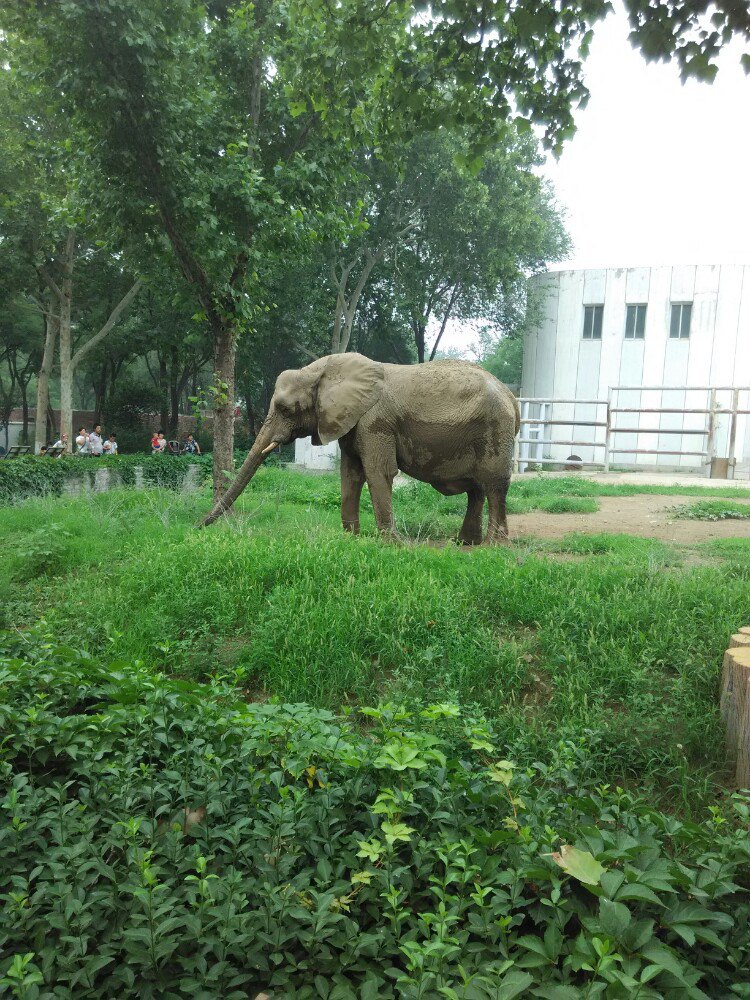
[475, 235]
[44, 233]
[227, 129]
[19, 358]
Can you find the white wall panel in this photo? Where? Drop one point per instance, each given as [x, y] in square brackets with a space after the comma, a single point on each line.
[559, 363]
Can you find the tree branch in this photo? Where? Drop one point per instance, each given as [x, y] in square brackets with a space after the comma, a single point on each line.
[48, 280]
[303, 350]
[446, 315]
[105, 330]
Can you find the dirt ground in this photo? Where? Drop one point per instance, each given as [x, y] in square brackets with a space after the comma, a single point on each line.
[642, 515]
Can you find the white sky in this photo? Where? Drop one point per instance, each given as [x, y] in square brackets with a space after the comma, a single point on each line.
[658, 172]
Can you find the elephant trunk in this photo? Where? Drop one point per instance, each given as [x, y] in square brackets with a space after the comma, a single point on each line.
[262, 446]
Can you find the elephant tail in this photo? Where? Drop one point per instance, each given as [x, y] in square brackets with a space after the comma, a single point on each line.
[518, 414]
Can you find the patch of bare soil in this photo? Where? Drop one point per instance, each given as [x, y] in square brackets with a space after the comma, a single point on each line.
[644, 515]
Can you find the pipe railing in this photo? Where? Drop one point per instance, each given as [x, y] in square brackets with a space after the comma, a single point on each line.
[530, 447]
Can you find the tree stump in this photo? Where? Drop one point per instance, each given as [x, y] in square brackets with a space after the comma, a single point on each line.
[735, 704]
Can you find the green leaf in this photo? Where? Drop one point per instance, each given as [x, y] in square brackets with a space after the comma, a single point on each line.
[514, 984]
[614, 918]
[635, 890]
[396, 832]
[685, 932]
[660, 955]
[582, 865]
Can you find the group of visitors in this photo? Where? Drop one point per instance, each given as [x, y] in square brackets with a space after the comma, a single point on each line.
[160, 445]
[96, 445]
[93, 444]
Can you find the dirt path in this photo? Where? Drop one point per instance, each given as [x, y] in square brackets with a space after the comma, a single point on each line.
[642, 515]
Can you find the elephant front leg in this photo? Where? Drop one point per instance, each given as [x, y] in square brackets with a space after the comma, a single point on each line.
[381, 493]
[379, 462]
[352, 481]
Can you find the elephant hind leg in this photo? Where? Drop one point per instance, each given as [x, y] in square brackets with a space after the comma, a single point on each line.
[497, 524]
[471, 529]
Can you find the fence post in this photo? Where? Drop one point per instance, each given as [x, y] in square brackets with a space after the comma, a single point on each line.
[608, 429]
[540, 435]
[733, 430]
[523, 448]
[710, 430]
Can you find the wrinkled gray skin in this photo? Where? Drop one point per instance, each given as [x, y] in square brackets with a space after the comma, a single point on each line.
[447, 423]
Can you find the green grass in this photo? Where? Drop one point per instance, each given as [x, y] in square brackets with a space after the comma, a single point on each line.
[616, 643]
[711, 510]
[534, 485]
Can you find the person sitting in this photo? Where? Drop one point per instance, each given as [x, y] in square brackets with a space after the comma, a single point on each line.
[191, 446]
[62, 444]
[161, 444]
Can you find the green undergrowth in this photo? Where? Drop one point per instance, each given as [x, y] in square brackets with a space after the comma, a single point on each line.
[612, 639]
[711, 510]
[535, 484]
[161, 838]
[34, 476]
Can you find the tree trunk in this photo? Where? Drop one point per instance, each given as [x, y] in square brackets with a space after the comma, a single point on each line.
[25, 410]
[52, 328]
[346, 303]
[225, 351]
[51, 428]
[418, 329]
[164, 395]
[446, 317]
[175, 388]
[66, 358]
[100, 391]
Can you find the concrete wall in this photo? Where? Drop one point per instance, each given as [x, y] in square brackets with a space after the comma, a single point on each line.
[558, 362]
[310, 456]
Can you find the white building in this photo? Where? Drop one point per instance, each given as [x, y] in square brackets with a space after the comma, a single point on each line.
[660, 338]
[310, 456]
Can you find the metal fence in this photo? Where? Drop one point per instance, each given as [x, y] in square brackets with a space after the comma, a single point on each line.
[540, 419]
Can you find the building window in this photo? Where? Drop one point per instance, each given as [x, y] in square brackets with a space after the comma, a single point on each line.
[592, 322]
[679, 323]
[635, 323]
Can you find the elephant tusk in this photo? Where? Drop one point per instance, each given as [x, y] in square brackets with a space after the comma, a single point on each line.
[272, 445]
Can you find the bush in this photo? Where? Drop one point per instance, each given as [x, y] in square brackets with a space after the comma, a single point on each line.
[34, 476]
[164, 839]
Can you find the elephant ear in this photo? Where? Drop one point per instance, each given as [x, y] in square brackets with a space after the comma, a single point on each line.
[349, 386]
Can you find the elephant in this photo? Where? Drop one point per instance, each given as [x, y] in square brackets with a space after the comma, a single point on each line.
[448, 423]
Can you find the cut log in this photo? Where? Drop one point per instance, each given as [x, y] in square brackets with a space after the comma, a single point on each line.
[735, 709]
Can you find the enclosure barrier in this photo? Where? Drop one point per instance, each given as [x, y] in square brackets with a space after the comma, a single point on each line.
[533, 440]
[735, 704]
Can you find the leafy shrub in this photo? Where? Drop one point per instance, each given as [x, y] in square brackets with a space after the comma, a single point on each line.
[162, 839]
[711, 510]
[41, 552]
[33, 476]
